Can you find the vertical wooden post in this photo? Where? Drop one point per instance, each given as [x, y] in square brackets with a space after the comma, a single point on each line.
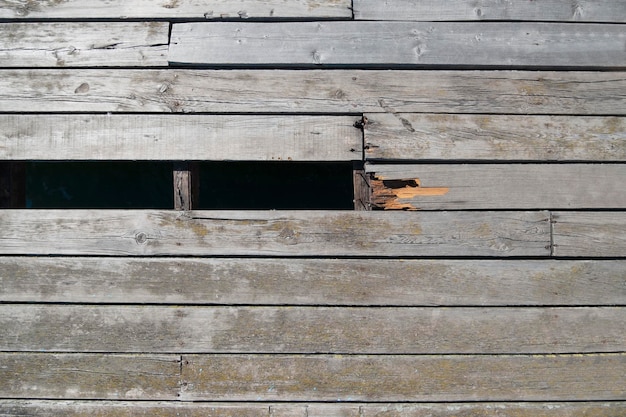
[12, 185]
[186, 185]
[362, 190]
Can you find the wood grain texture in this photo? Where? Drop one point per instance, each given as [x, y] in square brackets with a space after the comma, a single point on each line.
[348, 330]
[331, 282]
[455, 10]
[29, 408]
[589, 234]
[313, 91]
[403, 378]
[410, 136]
[399, 43]
[83, 44]
[174, 9]
[84, 376]
[498, 186]
[274, 233]
[179, 137]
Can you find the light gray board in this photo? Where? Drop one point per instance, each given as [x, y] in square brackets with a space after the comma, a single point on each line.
[404, 378]
[399, 43]
[174, 9]
[498, 186]
[274, 233]
[546, 10]
[386, 282]
[589, 234]
[179, 137]
[410, 136]
[81, 44]
[347, 330]
[78, 376]
[29, 408]
[313, 91]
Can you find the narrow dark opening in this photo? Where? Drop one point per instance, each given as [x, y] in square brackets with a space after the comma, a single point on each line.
[222, 185]
[275, 185]
[106, 185]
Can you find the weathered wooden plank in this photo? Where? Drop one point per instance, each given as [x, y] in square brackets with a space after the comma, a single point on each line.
[498, 186]
[331, 282]
[179, 137]
[84, 376]
[314, 91]
[587, 234]
[547, 10]
[178, 9]
[83, 44]
[494, 137]
[347, 330]
[399, 43]
[29, 408]
[274, 233]
[404, 378]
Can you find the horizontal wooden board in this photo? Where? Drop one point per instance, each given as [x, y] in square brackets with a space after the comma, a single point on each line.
[83, 44]
[313, 91]
[29, 408]
[587, 234]
[410, 136]
[346, 330]
[546, 10]
[399, 43]
[84, 376]
[498, 186]
[404, 378]
[174, 9]
[179, 137]
[363, 282]
[274, 233]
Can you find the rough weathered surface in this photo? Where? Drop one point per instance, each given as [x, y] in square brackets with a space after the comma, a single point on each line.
[589, 234]
[83, 44]
[404, 378]
[447, 137]
[349, 330]
[545, 10]
[332, 282]
[315, 91]
[83, 376]
[25, 408]
[399, 43]
[274, 233]
[179, 137]
[174, 9]
[501, 186]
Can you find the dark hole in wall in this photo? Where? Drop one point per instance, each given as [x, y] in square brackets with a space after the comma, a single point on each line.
[222, 185]
[99, 185]
[275, 185]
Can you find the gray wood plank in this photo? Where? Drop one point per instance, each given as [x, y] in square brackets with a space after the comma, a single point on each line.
[274, 233]
[174, 9]
[498, 186]
[588, 234]
[84, 376]
[546, 10]
[179, 137]
[399, 43]
[404, 378]
[313, 91]
[83, 44]
[29, 408]
[331, 282]
[410, 136]
[347, 330]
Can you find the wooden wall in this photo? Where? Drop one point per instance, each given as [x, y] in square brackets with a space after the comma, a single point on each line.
[482, 274]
